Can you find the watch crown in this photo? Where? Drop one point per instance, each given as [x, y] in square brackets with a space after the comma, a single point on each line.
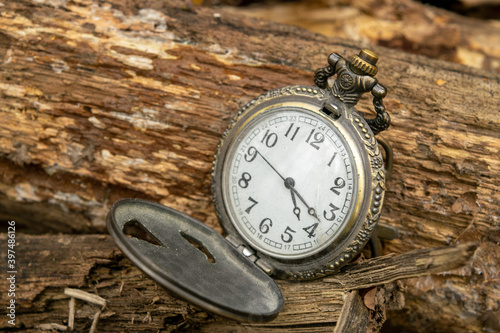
[364, 62]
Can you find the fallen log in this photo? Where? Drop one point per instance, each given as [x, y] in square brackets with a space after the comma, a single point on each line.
[105, 100]
[92, 266]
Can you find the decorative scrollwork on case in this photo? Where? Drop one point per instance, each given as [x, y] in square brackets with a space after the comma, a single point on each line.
[321, 76]
[308, 91]
[377, 162]
[320, 94]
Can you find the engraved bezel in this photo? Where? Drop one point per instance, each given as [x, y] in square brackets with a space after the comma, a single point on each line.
[369, 169]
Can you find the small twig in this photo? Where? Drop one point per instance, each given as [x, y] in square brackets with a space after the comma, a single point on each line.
[71, 319]
[85, 296]
[147, 318]
[121, 287]
[94, 322]
[52, 327]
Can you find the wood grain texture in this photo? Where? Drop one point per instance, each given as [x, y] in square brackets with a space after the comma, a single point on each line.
[48, 264]
[104, 100]
[354, 315]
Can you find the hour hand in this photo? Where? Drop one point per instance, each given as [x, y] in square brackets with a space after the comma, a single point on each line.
[289, 184]
[296, 210]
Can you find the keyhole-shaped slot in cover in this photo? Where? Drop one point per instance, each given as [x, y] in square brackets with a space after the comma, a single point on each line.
[135, 229]
[197, 244]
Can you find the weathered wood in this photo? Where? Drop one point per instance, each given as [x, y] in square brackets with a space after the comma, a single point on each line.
[365, 310]
[379, 271]
[48, 265]
[406, 25]
[354, 315]
[104, 100]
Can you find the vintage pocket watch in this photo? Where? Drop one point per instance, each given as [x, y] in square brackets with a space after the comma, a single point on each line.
[298, 183]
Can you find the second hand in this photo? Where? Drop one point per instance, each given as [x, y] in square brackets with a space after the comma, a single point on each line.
[258, 152]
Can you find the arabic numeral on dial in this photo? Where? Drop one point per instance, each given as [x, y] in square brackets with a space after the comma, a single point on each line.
[254, 202]
[251, 154]
[270, 139]
[244, 180]
[339, 183]
[293, 133]
[265, 225]
[332, 212]
[286, 236]
[331, 160]
[310, 230]
[317, 138]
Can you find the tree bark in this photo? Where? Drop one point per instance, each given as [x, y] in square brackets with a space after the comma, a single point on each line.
[48, 264]
[105, 100]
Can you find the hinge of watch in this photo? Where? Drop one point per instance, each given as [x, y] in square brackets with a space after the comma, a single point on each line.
[250, 254]
[243, 249]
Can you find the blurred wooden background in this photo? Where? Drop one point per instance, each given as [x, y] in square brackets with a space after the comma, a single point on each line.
[466, 32]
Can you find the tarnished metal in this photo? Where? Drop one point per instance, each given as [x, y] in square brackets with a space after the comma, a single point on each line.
[192, 261]
[333, 106]
[354, 78]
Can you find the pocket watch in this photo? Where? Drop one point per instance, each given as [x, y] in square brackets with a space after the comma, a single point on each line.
[298, 183]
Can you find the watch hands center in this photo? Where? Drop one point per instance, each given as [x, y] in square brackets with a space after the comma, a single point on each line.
[289, 184]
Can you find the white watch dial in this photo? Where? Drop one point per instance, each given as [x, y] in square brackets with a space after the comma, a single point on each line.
[289, 182]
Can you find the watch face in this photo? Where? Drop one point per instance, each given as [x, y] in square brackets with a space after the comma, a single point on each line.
[289, 182]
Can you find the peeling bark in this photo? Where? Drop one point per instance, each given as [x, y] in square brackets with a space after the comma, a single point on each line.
[104, 100]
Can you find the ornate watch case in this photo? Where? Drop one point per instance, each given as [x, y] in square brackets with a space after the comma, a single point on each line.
[298, 184]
